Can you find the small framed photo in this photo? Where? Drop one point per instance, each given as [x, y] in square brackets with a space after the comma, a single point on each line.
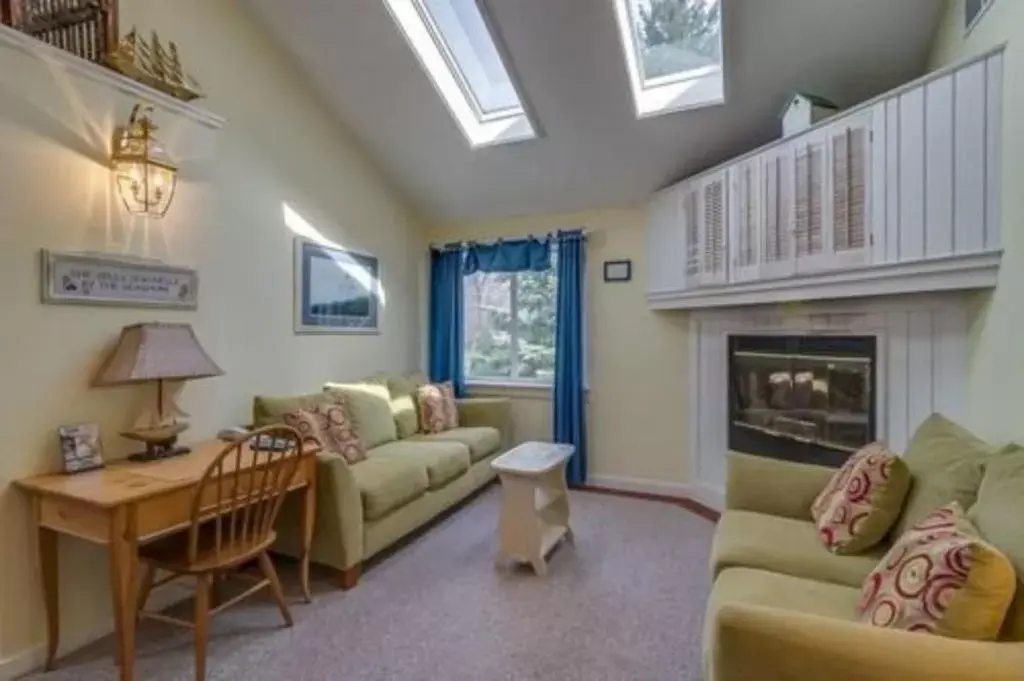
[618, 270]
[80, 446]
[269, 443]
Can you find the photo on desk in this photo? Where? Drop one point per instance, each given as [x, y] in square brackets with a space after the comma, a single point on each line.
[80, 446]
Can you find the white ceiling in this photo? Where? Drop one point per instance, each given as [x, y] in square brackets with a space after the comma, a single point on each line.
[566, 57]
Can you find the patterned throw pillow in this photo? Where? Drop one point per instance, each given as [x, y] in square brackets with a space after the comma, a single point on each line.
[867, 503]
[835, 485]
[331, 425]
[940, 577]
[438, 411]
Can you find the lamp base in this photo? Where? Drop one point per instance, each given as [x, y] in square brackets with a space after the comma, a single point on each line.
[156, 452]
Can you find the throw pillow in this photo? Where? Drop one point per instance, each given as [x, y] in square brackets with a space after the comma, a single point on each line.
[331, 425]
[370, 406]
[438, 411]
[940, 577]
[835, 485]
[864, 509]
[946, 464]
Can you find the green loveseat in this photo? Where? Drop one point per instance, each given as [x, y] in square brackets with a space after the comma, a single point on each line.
[407, 480]
[783, 608]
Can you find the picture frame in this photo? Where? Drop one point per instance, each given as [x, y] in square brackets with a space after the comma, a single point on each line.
[974, 10]
[337, 290]
[102, 279]
[80, 447]
[618, 270]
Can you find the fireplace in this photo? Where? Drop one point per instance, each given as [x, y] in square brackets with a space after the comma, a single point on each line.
[801, 398]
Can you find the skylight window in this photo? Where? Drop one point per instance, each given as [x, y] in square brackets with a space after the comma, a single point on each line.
[455, 47]
[673, 52]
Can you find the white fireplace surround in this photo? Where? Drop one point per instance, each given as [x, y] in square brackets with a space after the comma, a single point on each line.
[921, 366]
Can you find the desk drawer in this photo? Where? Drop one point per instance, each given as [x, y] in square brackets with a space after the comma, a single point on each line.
[75, 519]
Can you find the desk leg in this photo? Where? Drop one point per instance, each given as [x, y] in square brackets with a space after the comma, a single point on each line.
[48, 567]
[308, 516]
[124, 560]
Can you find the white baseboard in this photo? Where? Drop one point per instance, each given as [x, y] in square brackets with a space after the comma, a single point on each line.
[33, 658]
[702, 494]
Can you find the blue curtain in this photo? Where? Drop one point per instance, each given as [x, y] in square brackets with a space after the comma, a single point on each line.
[570, 399]
[446, 328]
[521, 255]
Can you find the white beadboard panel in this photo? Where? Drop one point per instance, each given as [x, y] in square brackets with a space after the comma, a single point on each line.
[993, 151]
[911, 183]
[920, 383]
[877, 226]
[892, 174]
[938, 167]
[950, 328]
[921, 363]
[969, 159]
[896, 383]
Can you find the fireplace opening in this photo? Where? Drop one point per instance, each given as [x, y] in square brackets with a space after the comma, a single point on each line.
[801, 398]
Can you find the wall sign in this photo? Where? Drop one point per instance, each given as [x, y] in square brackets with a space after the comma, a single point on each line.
[101, 279]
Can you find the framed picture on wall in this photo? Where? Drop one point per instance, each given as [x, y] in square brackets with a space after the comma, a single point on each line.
[336, 290]
[973, 12]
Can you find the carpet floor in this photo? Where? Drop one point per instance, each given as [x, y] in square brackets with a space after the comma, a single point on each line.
[626, 602]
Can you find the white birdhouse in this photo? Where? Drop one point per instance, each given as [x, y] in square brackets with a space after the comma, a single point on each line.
[804, 110]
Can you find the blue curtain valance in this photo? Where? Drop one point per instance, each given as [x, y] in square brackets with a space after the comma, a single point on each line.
[521, 255]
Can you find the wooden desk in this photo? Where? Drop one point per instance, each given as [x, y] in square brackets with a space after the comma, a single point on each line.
[124, 505]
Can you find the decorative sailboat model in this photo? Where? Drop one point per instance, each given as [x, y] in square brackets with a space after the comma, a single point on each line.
[157, 352]
[153, 65]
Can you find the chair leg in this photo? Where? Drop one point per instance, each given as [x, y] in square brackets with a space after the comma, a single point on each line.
[267, 567]
[145, 586]
[202, 623]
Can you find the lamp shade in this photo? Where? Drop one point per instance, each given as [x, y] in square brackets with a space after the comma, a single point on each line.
[156, 351]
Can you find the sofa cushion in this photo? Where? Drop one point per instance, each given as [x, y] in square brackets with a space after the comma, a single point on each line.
[370, 406]
[941, 578]
[268, 410]
[481, 440]
[785, 545]
[386, 483]
[866, 506]
[443, 461]
[997, 515]
[402, 388]
[946, 463]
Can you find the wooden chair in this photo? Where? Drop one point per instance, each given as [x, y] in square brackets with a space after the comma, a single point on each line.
[232, 524]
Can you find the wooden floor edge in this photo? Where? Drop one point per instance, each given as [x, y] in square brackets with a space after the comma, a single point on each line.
[683, 502]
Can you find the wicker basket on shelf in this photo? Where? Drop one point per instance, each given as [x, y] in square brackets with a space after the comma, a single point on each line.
[86, 28]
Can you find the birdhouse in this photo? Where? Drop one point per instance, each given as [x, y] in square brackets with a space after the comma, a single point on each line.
[804, 110]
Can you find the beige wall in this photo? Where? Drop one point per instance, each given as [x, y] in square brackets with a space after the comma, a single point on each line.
[637, 358]
[997, 360]
[280, 146]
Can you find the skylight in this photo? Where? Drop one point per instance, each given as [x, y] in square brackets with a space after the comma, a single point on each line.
[673, 52]
[455, 47]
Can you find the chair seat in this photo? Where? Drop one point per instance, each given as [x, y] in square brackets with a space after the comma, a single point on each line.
[171, 552]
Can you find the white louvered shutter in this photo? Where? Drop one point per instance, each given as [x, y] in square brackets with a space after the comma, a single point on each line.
[745, 220]
[777, 236]
[809, 201]
[692, 236]
[849, 154]
[713, 222]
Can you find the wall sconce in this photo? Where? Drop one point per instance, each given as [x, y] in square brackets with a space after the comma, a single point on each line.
[146, 175]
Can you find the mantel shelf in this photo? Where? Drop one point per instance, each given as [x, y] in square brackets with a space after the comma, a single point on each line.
[10, 37]
[952, 273]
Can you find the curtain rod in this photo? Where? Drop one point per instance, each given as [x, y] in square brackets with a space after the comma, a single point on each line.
[491, 242]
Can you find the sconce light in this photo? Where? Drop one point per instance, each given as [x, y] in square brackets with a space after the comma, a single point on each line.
[146, 175]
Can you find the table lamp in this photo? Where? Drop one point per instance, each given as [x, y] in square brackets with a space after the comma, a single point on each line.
[158, 352]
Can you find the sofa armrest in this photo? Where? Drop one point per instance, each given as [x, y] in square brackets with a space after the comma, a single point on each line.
[495, 412]
[781, 488]
[338, 529]
[769, 644]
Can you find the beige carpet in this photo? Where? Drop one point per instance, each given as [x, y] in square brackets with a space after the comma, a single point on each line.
[625, 603]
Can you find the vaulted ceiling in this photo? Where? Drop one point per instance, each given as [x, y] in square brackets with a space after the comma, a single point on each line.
[565, 55]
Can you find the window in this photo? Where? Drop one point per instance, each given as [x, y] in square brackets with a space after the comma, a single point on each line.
[673, 52]
[510, 327]
[458, 52]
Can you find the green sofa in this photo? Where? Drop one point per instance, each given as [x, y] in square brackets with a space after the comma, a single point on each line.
[407, 480]
[783, 608]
